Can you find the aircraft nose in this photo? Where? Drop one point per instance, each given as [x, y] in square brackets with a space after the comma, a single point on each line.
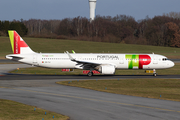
[171, 64]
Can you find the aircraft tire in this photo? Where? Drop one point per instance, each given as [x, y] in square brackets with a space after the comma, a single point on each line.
[154, 74]
[90, 74]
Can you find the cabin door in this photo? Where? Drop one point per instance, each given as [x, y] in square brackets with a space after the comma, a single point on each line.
[35, 60]
[121, 61]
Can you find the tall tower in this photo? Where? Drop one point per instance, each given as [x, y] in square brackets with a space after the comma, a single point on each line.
[92, 5]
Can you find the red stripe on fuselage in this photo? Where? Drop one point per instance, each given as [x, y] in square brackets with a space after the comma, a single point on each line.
[144, 60]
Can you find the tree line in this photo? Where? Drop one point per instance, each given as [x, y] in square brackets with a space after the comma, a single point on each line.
[14, 25]
[159, 31]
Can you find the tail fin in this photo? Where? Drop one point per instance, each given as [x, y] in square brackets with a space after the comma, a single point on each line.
[19, 46]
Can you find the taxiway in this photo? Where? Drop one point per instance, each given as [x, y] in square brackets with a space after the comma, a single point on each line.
[84, 104]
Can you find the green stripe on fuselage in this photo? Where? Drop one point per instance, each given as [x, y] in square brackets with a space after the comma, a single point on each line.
[133, 61]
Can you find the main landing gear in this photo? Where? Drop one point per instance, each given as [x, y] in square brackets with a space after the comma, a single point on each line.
[154, 73]
[90, 74]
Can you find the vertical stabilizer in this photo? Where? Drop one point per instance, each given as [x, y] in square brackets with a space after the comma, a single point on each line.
[19, 46]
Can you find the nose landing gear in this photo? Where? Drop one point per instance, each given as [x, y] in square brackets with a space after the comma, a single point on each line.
[154, 73]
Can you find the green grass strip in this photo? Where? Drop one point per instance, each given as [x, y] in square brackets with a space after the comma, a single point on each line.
[59, 46]
[10, 110]
[167, 89]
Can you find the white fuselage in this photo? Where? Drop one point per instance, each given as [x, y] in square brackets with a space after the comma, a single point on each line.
[120, 61]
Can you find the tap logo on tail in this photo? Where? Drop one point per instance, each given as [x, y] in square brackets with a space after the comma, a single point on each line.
[16, 42]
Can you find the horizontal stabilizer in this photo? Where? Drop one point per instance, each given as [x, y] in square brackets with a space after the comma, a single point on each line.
[14, 57]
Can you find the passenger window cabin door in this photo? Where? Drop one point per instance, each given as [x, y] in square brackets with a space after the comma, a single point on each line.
[155, 60]
[121, 61]
[35, 60]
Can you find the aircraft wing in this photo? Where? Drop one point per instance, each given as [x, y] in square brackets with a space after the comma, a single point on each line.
[83, 63]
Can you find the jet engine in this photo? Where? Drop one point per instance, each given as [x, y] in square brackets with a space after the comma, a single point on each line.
[106, 69]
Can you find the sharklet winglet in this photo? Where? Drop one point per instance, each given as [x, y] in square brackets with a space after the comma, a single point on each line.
[70, 57]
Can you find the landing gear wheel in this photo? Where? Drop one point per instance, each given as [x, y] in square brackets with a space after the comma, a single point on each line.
[90, 74]
[154, 74]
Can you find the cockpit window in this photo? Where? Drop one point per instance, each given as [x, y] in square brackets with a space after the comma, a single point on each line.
[164, 59]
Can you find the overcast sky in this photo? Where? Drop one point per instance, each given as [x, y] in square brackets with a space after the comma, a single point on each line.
[59, 9]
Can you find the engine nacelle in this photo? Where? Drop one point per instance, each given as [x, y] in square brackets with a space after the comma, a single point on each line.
[106, 69]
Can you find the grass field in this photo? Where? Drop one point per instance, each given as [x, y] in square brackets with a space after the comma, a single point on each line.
[10, 110]
[168, 89]
[59, 46]
[38, 70]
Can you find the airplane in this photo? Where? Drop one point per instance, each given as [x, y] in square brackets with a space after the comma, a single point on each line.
[106, 64]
